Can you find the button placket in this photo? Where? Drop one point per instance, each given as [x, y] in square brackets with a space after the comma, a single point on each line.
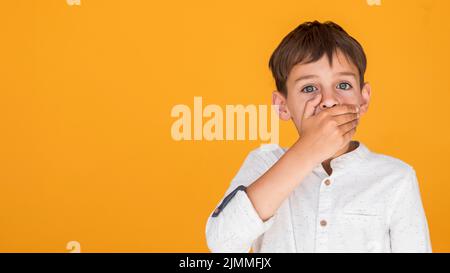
[322, 217]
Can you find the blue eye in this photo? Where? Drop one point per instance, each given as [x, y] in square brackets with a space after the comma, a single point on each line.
[309, 89]
[344, 85]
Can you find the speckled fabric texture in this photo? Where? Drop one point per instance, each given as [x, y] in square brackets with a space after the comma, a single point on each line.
[370, 203]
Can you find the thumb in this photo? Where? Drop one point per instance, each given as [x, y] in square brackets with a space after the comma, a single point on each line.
[311, 105]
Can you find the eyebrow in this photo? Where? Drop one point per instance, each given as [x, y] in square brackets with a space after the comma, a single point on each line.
[347, 73]
[305, 77]
[343, 73]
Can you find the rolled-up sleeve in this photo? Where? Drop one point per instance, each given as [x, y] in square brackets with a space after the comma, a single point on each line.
[408, 228]
[235, 224]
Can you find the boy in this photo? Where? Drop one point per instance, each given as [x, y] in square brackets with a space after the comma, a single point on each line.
[326, 193]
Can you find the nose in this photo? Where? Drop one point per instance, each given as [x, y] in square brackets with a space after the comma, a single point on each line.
[325, 105]
[328, 100]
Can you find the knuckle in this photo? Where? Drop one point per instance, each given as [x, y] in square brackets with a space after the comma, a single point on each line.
[331, 124]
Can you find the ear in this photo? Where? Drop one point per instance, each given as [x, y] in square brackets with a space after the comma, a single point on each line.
[279, 100]
[365, 94]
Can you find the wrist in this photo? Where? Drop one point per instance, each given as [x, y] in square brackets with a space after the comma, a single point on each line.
[308, 153]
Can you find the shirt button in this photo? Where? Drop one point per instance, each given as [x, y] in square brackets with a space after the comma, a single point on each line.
[323, 223]
[327, 182]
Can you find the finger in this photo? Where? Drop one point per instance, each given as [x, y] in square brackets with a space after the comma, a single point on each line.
[343, 109]
[346, 127]
[344, 118]
[349, 135]
[311, 105]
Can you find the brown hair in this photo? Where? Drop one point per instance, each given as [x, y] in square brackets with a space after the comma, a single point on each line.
[308, 42]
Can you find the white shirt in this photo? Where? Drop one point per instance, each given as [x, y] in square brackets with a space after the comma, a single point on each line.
[370, 203]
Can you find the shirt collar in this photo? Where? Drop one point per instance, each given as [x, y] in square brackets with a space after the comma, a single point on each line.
[345, 161]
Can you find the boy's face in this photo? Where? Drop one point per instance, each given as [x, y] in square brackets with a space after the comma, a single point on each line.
[338, 84]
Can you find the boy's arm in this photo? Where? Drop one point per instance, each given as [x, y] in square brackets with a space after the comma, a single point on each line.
[272, 188]
[235, 224]
[408, 228]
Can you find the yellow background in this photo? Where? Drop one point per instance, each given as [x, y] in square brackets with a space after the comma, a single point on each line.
[86, 93]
